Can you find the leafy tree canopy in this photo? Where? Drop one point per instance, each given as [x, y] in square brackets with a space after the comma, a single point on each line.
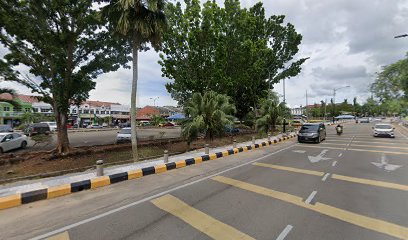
[230, 50]
[64, 44]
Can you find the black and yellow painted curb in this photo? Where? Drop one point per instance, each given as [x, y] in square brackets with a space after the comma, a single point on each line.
[61, 190]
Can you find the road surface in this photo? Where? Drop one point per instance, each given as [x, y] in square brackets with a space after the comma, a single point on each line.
[352, 186]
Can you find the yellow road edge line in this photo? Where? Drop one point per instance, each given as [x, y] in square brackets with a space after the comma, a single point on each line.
[337, 213]
[370, 182]
[290, 169]
[61, 236]
[197, 219]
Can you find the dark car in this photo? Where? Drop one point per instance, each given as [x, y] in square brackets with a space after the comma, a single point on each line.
[312, 132]
[6, 128]
[37, 128]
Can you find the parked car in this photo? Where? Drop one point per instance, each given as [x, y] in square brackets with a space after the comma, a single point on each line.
[94, 126]
[124, 135]
[6, 128]
[52, 125]
[312, 132]
[364, 120]
[10, 141]
[231, 129]
[124, 125]
[384, 130]
[104, 125]
[37, 128]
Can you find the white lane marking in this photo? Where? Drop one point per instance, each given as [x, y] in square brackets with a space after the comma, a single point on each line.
[285, 232]
[298, 151]
[310, 198]
[152, 197]
[402, 133]
[348, 145]
[341, 154]
[325, 176]
[334, 163]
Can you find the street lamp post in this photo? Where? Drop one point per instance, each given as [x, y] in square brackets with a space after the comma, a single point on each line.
[154, 101]
[334, 98]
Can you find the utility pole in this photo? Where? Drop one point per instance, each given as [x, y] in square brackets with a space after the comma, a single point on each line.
[325, 106]
[284, 102]
[334, 99]
[154, 101]
[307, 112]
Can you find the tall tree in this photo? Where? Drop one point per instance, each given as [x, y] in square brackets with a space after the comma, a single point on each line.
[139, 22]
[64, 44]
[230, 50]
[207, 114]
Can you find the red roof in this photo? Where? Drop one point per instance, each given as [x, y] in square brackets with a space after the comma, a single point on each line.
[99, 103]
[22, 97]
[147, 112]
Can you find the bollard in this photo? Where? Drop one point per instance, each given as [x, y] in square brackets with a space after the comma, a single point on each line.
[207, 148]
[99, 168]
[234, 143]
[253, 140]
[269, 137]
[166, 156]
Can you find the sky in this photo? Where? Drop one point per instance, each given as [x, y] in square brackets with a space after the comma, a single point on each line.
[348, 41]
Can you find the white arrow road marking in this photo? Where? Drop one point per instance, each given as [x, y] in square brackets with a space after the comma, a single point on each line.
[318, 158]
[299, 151]
[334, 163]
[385, 165]
[285, 232]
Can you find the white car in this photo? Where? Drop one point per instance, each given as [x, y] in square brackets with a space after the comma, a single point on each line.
[52, 125]
[10, 141]
[124, 135]
[383, 129]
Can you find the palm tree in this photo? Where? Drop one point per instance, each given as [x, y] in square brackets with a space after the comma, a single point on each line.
[271, 111]
[142, 22]
[207, 114]
[10, 92]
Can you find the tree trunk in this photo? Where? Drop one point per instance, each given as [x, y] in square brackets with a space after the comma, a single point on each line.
[63, 145]
[133, 108]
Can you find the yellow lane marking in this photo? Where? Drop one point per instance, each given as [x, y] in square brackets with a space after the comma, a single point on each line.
[371, 182]
[197, 219]
[337, 213]
[290, 169]
[360, 145]
[355, 149]
[338, 177]
[61, 236]
[388, 143]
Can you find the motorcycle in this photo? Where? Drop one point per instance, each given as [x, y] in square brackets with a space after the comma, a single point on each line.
[339, 130]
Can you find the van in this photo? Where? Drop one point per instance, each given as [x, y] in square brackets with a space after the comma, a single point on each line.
[37, 128]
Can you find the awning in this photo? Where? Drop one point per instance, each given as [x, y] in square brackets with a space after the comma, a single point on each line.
[178, 116]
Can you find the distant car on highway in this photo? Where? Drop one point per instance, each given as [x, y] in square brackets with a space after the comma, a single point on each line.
[10, 141]
[384, 130]
[94, 126]
[6, 128]
[52, 125]
[312, 132]
[124, 135]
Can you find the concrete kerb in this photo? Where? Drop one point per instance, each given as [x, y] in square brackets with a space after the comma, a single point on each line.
[17, 199]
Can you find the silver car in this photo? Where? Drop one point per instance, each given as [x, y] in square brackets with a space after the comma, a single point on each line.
[383, 130]
[124, 135]
[10, 141]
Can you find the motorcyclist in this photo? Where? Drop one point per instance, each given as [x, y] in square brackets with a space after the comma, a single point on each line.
[339, 128]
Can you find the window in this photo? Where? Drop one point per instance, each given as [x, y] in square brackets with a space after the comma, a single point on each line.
[28, 109]
[97, 111]
[44, 110]
[86, 111]
[17, 109]
[102, 112]
[80, 111]
[6, 109]
[74, 111]
[92, 111]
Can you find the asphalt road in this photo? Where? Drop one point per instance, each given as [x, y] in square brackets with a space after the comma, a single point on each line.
[91, 138]
[352, 186]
